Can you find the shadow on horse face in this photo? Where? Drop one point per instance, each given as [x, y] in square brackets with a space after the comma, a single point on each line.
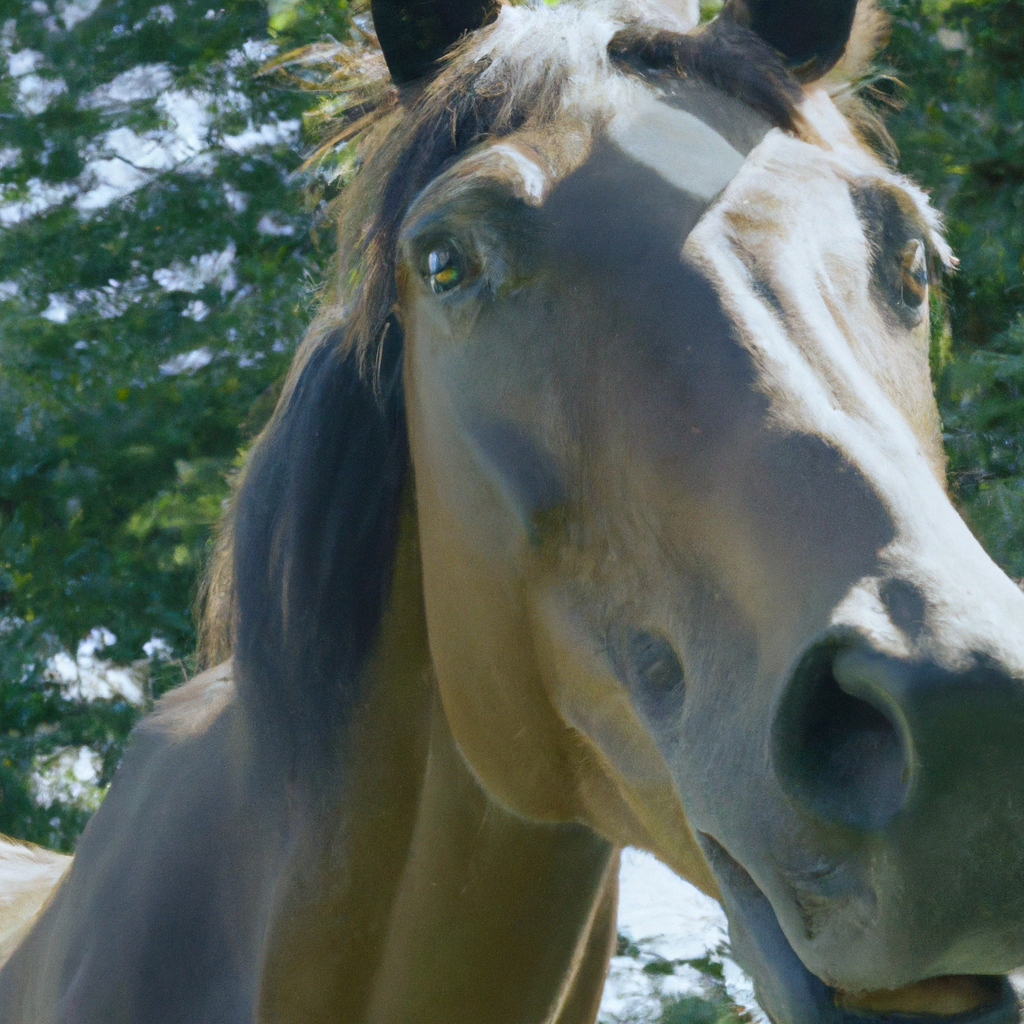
[691, 574]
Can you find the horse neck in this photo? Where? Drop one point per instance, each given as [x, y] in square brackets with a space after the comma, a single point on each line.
[403, 896]
[350, 828]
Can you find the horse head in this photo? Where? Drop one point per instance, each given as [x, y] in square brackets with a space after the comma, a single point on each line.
[691, 572]
[604, 505]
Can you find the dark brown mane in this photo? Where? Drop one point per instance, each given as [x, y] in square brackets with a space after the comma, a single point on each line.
[450, 118]
[725, 55]
[456, 112]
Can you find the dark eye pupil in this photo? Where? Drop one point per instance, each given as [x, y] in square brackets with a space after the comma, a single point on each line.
[653, 662]
[650, 670]
[443, 271]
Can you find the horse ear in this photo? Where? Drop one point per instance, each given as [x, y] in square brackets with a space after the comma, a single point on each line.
[414, 34]
[811, 35]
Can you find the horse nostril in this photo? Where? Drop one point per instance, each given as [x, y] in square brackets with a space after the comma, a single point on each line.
[841, 755]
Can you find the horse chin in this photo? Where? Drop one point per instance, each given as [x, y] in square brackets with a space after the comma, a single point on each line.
[790, 994]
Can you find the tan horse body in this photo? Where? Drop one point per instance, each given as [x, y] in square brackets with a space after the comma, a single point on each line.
[382, 903]
[28, 877]
[605, 507]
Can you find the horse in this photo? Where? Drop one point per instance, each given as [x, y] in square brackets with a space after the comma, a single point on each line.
[29, 874]
[604, 505]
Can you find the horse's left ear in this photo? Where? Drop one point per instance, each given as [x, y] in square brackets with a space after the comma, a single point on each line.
[414, 34]
[811, 35]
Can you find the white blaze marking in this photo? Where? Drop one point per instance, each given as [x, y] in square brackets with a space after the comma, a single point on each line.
[535, 181]
[862, 609]
[681, 148]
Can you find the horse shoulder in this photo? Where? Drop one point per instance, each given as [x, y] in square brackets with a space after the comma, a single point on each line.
[189, 710]
[187, 826]
[29, 875]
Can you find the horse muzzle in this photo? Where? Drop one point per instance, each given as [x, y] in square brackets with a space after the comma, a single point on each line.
[790, 994]
[905, 781]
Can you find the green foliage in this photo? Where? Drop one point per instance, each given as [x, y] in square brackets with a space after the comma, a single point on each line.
[651, 1005]
[695, 1010]
[962, 135]
[304, 20]
[153, 290]
[983, 392]
[659, 966]
[709, 967]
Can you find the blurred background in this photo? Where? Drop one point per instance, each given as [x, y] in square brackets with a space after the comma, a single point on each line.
[161, 248]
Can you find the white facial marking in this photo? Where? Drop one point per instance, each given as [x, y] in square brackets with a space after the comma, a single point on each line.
[862, 609]
[833, 367]
[532, 42]
[821, 114]
[681, 148]
[535, 181]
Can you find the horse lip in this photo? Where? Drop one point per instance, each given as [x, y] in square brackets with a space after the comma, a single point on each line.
[1004, 1009]
[786, 990]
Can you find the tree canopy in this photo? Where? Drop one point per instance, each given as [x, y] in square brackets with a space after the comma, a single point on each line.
[157, 267]
[159, 260]
[961, 134]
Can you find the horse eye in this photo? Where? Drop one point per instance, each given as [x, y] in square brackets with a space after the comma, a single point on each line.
[913, 275]
[444, 270]
[649, 666]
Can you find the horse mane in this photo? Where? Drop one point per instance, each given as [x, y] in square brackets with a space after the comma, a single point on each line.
[303, 559]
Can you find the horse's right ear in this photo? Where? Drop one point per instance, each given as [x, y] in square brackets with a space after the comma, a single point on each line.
[810, 35]
[414, 34]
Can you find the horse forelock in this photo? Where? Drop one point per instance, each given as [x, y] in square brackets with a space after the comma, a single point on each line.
[540, 66]
[303, 563]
